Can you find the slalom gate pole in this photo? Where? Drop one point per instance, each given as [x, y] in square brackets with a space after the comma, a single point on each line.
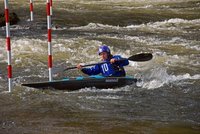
[8, 45]
[51, 8]
[31, 9]
[49, 40]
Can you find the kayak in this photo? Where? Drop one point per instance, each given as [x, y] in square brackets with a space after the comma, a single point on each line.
[75, 83]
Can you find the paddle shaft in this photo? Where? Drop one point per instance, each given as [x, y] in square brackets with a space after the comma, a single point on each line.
[84, 65]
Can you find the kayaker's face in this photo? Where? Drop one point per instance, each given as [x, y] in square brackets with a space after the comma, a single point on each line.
[103, 56]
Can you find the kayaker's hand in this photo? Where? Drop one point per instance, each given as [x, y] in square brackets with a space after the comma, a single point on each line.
[79, 66]
[113, 60]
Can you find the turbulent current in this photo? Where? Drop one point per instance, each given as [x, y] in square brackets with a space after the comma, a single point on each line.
[165, 101]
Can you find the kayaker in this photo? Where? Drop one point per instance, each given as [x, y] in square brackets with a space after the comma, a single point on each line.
[113, 67]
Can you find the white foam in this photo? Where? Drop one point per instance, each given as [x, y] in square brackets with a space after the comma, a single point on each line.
[95, 26]
[72, 47]
[196, 47]
[184, 77]
[175, 25]
[109, 97]
[25, 45]
[159, 77]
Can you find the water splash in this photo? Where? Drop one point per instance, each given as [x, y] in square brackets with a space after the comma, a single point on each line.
[180, 25]
[158, 77]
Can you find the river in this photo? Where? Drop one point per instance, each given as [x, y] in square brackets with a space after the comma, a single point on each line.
[165, 101]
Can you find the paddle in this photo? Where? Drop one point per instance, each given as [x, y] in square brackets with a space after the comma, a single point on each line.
[138, 57]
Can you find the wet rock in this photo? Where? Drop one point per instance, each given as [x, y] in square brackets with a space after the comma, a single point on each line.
[13, 18]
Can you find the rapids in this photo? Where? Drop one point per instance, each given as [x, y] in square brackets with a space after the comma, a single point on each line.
[165, 101]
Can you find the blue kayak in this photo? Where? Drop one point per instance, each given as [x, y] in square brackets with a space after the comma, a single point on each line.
[75, 83]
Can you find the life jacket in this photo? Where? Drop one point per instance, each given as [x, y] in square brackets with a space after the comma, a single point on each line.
[107, 69]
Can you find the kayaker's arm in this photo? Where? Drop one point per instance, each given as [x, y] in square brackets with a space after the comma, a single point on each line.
[119, 60]
[89, 71]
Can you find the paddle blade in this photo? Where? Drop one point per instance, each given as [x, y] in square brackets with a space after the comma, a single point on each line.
[141, 57]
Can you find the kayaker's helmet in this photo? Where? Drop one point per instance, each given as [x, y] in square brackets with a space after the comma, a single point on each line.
[104, 48]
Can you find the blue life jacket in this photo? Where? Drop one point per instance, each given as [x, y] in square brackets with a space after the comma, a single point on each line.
[107, 69]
